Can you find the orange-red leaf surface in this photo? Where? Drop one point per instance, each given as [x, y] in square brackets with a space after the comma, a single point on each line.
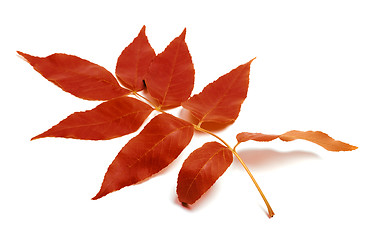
[156, 146]
[111, 119]
[134, 61]
[170, 78]
[201, 170]
[77, 76]
[220, 101]
[260, 137]
[320, 138]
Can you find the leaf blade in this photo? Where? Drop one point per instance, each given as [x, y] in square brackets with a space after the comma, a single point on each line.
[317, 137]
[110, 119]
[221, 100]
[170, 79]
[77, 76]
[134, 61]
[156, 146]
[201, 170]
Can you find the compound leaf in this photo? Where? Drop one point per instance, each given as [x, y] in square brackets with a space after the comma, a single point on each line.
[169, 78]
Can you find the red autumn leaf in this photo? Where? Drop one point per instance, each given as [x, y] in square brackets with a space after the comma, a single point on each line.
[220, 101]
[170, 78]
[111, 119]
[77, 76]
[134, 61]
[317, 137]
[156, 146]
[201, 170]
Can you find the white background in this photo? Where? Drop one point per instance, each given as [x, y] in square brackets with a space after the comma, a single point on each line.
[311, 73]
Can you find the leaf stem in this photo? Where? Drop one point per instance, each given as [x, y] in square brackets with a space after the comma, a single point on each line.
[270, 211]
[197, 127]
[146, 99]
[234, 149]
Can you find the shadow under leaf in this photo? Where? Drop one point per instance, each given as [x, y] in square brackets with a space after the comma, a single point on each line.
[201, 202]
[268, 159]
[210, 126]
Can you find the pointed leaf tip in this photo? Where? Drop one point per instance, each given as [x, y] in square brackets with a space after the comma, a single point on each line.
[28, 58]
[34, 138]
[252, 60]
[183, 34]
[142, 31]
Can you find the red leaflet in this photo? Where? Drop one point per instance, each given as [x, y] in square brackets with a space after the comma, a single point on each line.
[160, 142]
[201, 170]
[317, 137]
[134, 62]
[111, 119]
[170, 79]
[77, 76]
[221, 100]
